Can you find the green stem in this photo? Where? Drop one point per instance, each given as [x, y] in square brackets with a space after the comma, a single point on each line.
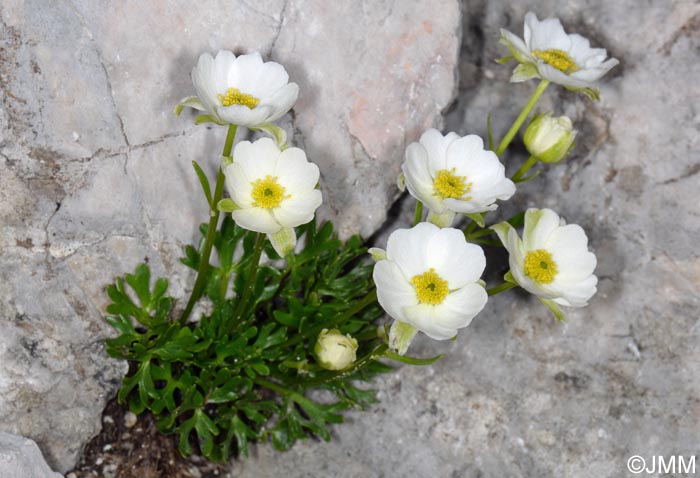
[500, 288]
[518, 176]
[314, 331]
[250, 283]
[272, 386]
[521, 117]
[201, 280]
[418, 215]
[470, 227]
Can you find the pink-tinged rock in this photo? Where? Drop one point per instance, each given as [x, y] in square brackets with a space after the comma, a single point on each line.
[373, 77]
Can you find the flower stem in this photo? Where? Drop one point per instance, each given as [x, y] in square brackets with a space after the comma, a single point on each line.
[518, 176]
[470, 228]
[418, 215]
[521, 117]
[313, 331]
[248, 288]
[201, 280]
[500, 288]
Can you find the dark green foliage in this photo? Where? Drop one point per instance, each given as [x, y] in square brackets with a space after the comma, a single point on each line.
[236, 376]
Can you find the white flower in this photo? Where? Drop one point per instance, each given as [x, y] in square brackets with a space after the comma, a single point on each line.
[429, 280]
[241, 90]
[452, 174]
[549, 52]
[273, 190]
[549, 139]
[334, 350]
[552, 260]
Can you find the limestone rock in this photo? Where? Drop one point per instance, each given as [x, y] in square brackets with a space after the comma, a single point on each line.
[21, 458]
[517, 394]
[95, 171]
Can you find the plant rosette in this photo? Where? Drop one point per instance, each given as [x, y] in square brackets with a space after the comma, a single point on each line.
[546, 51]
[551, 261]
[242, 90]
[272, 191]
[452, 174]
[428, 281]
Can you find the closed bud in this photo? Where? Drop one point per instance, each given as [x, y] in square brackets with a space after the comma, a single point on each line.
[549, 139]
[334, 350]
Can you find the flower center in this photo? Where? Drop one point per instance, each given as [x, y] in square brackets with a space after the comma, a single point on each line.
[559, 59]
[540, 267]
[430, 287]
[268, 193]
[448, 185]
[234, 96]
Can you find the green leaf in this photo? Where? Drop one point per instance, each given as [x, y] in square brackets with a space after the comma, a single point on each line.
[411, 360]
[203, 180]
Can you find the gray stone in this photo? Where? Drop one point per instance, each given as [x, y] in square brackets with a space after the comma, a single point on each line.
[21, 458]
[517, 394]
[95, 171]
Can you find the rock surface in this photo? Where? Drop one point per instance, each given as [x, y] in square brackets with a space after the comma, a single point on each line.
[95, 172]
[21, 458]
[517, 394]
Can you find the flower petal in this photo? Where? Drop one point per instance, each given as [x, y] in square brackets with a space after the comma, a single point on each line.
[256, 219]
[258, 159]
[436, 145]
[539, 224]
[238, 185]
[461, 306]
[454, 259]
[282, 101]
[419, 181]
[425, 318]
[299, 209]
[295, 172]
[394, 292]
[408, 248]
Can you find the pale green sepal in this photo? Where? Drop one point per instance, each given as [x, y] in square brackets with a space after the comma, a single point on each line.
[377, 254]
[441, 220]
[502, 229]
[411, 360]
[227, 205]
[477, 217]
[201, 119]
[400, 336]
[226, 161]
[191, 102]
[592, 93]
[283, 241]
[401, 182]
[277, 133]
[505, 59]
[527, 178]
[482, 283]
[553, 308]
[524, 72]
[508, 277]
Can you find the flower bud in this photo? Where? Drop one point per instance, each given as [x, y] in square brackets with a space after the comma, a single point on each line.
[334, 350]
[549, 139]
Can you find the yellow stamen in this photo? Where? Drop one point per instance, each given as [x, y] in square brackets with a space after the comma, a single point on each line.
[430, 287]
[234, 96]
[559, 59]
[540, 267]
[448, 185]
[268, 193]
